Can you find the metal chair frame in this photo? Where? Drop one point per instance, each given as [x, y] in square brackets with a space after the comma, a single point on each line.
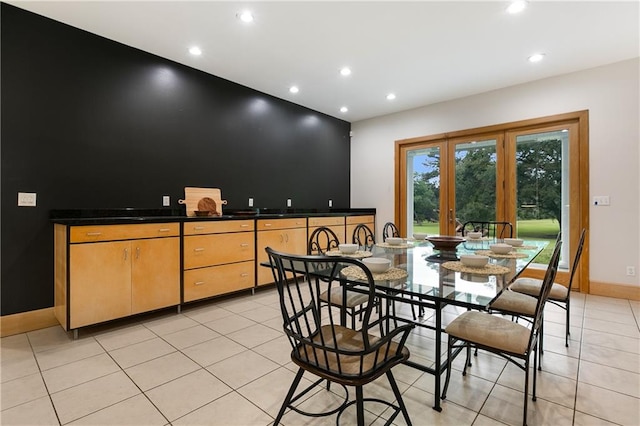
[521, 360]
[330, 351]
[389, 230]
[363, 236]
[497, 230]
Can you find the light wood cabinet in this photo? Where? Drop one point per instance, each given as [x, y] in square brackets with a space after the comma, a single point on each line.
[99, 279]
[218, 258]
[286, 235]
[335, 223]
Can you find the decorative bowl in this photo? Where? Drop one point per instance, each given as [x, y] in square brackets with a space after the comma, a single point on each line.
[394, 241]
[474, 235]
[474, 260]
[445, 242]
[515, 242]
[377, 264]
[420, 236]
[348, 248]
[500, 248]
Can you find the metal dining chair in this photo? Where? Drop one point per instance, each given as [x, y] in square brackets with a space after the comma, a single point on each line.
[560, 295]
[322, 240]
[510, 340]
[332, 352]
[490, 229]
[389, 230]
[363, 236]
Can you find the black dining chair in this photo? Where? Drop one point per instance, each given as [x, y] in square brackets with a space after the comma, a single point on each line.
[389, 230]
[321, 241]
[329, 351]
[495, 230]
[560, 295]
[510, 340]
[363, 236]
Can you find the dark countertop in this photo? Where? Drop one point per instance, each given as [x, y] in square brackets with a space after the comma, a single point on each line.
[135, 215]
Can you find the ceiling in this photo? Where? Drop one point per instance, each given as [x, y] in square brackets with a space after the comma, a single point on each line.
[424, 52]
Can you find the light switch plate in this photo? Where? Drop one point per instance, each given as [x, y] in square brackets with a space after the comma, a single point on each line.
[166, 200]
[288, 202]
[26, 199]
[601, 200]
[250, 202]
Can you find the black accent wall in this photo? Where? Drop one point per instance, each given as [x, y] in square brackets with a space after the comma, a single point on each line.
[90, 123]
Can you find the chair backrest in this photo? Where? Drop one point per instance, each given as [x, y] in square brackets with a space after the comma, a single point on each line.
[389, 230]
[496, 230]
[322, 240]
[316, 340]
[576, 259]
[363, 236]
[547, 283]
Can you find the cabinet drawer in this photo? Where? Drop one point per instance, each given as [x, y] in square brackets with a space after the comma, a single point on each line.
[268, 224]
[354, 220]
[326, 221]
[216, 249]
[94, 233]
[217, 227]
[216, 280]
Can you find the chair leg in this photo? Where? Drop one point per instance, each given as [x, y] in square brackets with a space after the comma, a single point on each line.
[566, 337]
[399, 399]
[449, 364]
[360, 405]
[289, 396]
[526, 390]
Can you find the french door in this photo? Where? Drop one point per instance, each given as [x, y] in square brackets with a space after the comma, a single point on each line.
[531, 173]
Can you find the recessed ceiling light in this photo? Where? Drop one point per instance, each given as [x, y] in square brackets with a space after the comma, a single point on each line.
[345, 71]
[391, 96]
[344, 109]
[195, 51]
[294, 89]
[245, 16]
[517, 6]
[536, 57]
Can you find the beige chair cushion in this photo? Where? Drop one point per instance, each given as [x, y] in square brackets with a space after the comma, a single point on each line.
[353, 298]
[349, 340]
[531, 286]
[490, 330]
[519, 303]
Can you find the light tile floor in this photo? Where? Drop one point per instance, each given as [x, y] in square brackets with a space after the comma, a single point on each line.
[226, 362]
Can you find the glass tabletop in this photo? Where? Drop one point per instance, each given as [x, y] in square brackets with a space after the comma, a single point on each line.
[438, 276]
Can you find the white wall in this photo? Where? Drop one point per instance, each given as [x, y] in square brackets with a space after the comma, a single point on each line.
[611, 94]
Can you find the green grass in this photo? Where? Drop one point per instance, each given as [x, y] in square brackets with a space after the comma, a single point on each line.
[533, 230]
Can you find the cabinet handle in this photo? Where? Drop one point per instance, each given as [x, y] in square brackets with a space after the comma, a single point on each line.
[286, 237]
[126, 253]
[244, 275]
[244, 245]
[198, 283]
[198, 249]
[244, 226]
[164, 230]
[266, 225]
[93, 234]
[281, 238]
[137, 252]
[198, 228]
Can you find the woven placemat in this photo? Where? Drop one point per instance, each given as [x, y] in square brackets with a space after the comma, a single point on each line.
[398, 246]
[488, 269]
[512, 255]
[359, 254]
[390, 274]
[526, 247]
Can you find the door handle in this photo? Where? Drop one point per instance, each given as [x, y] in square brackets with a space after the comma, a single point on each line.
[126, 253]
[137, 252]
[450, 215]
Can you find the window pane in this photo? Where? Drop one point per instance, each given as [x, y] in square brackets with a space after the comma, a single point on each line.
[423, 192]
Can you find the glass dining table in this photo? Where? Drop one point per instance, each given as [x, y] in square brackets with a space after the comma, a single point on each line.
[427, 278]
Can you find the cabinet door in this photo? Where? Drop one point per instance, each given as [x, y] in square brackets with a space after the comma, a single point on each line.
[274, 239]
[100, 282]
[155, 274]
[296, 241]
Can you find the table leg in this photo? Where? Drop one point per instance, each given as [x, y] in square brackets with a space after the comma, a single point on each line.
[437, 373]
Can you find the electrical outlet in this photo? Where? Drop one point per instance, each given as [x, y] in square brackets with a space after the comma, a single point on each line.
[330, 203]
[631, 271]
[288, 202]
[601, 200]
[26, 199]
[166, 200]
[250, 202]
